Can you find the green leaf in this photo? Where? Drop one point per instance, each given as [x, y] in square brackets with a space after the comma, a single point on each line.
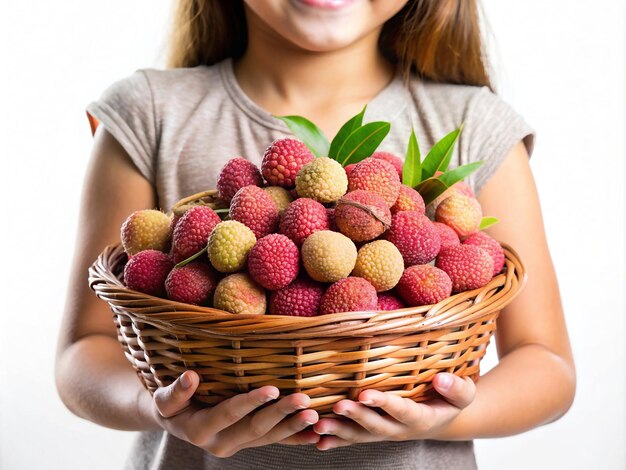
[307, 132]
[362, 142]
[340, 139]
[487, 222]
[439, 156]
[412, 168]
[459, 173]
[430, 189]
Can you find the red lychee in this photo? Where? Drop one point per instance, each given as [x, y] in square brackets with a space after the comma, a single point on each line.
[301, 298]
[192, 284]
[378, 176]
[274, 261]
[424, 284]
[282, 161]
[491, 246]
[236, 174]
[415, 236]
[362, 215]
[469, 267]
[447, 236]
[396, 161]
[388, 301]
[352, 294]
[348, 169]
[146, 272]
[192, 231]
[256, 209]
[303, 217]
[409, 200]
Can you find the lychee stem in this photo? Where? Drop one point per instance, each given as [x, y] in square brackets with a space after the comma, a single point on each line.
[368, 209]
[191, 258]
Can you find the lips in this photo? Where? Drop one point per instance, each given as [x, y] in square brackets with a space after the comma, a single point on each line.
[327, 4]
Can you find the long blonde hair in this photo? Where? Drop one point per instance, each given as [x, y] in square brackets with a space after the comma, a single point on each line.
[439, 40]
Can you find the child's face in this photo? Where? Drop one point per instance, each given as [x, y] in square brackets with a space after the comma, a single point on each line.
[322, 25]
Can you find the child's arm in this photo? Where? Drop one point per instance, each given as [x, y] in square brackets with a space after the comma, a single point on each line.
[534, 382]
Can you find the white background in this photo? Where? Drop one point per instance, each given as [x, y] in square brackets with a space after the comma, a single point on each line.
[559, 63]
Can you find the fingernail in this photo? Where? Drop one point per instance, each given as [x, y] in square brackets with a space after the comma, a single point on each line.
[270, 398]
[444, 382]
[185, 381]
[367, 402]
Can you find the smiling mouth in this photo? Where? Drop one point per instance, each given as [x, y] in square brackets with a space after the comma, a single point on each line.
[326, 4]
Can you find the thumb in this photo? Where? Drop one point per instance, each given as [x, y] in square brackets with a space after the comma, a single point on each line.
[458, 391]
[176, 397]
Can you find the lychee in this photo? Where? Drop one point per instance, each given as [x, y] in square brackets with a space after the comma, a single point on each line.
[324, 180]
[353, 294]
[146, 272]
[332, 223]
[192, 284]
[282, 161]
[415, 236]
[380, 263]
[274, 261]
[489, 244]
[388, 301]
[146, 230]
[348, 169]
[238, 293]
[303, 217]
[301, 298]
[409, 200]
[280, 196]
[461, 213]
[396, 161]
[362, 215]
[328, 256]
[469, 267]
[229, 246]
[447, 236]
[192, 231]
[378, 176]
[424, 284]
[236, 174]
[460, 187]
[255, 208]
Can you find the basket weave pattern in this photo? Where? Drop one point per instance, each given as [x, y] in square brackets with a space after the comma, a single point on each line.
[328, 357]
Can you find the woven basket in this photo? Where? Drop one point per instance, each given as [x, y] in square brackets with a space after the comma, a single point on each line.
[328, 357]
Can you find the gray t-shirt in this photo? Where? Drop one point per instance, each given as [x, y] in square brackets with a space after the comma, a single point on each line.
[181, 126]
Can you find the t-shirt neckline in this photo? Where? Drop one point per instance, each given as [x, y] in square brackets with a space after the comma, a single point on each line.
[386, 105]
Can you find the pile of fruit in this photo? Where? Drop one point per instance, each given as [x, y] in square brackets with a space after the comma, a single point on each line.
[321, 228]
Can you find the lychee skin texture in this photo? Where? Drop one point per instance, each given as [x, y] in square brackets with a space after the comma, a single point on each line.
[415, 236]
[324, 180]
[388, 301]
[328, 256]
[378, 176]
[353, 294]
[396, 161]
[380, 263]
[229, 246]
[469, 267]
[447, 236]
[303, 217]
[332, 223]
[255, 208]
[238, 293]
[424, 284]
[236, 174]
[461, 188]
[280, 196]
[409, 200]
[301, 298]
[146, 272]
[193, 229]
[461, 213]
[491, 246]
[274, 261]
[192, 284]
[348, 169]
[146, 230]
[282, 161]
[362, 215]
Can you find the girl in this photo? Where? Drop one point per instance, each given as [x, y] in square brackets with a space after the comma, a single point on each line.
[166, 134]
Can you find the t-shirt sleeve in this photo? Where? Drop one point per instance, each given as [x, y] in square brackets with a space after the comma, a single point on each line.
[126, 110]
[492, 128]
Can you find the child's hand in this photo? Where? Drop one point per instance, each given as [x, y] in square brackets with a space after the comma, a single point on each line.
[234, 424]
[404, 419]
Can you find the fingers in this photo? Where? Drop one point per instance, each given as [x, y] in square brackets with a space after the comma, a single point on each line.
[458, 391]
[332, 442]
[372, 422]
[176, 397]
[402, 409]
[308, 436]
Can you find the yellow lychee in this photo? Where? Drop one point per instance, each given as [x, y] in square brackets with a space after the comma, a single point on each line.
[146, 230]
[238, 293]
[328, 256]
[324, 180]
[280, 196]
[380, 263]
[229, 245]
